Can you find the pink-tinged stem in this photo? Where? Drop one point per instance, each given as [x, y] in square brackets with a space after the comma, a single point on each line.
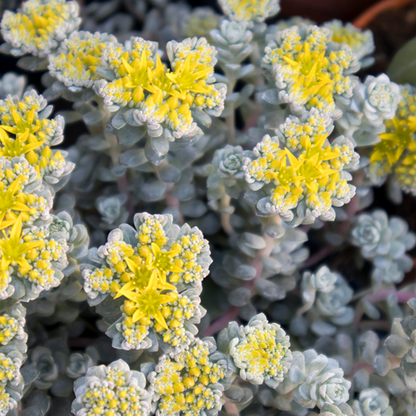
[402, 297]
[222, 322]
[371, 13]
[359, 366]
[318, 256]
[232, 313]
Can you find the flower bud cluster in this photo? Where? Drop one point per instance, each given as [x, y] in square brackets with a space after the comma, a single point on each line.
[261, 352]
[134, 76]
[39, 26]
[304, 173]
[189, 383]
[159, 269]
[250, 11]
[309, 70]
[360, 41]
[111, 391]
[12, 355]
[33, 254]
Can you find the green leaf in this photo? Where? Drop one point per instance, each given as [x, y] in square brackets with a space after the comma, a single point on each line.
[402, 68]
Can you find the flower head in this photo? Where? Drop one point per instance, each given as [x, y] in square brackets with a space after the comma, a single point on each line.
[261, 352]
[189, 383]
[7, 402]
[12, 324]
[312, 172]
[39, 26]
[200, 22]
[307, 71]
[17, 169]
[23, 116]
[151, 272]
[76, 61]
[10, 368]
[111, 390]
[32, 254]
[395, 152]
[361, 42]
[163, 97]
[149, 301]
[249, 10]
[13, 249]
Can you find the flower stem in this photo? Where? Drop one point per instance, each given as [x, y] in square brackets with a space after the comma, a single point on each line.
[230, 119]
[230, 407]
[232, 313]
[171, 201]
[222, 322]
[402, 297]
[364, 19]
[122, 180]
[318, 256]
[265, 252]
[225, 218]
[230, 122]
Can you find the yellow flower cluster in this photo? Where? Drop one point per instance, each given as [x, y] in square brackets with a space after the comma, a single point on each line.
[7, 402]
[396, 151]
[31, 254]
[111, 390]
[312, 172]
[28, 250]
[361, 42]
[27, 115]
[189, 383]
[39, 25]
[249, 10]
[78, 57]
[261, 352]
[151, 271]
[34, 134]
[200, 22]
[12, 326]
[9, 370]
[11, 380]
[307, 71]
[163, 96]
[139, 79]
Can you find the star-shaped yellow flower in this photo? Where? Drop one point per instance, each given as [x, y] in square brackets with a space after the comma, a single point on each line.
[149, 301]
[12, 249]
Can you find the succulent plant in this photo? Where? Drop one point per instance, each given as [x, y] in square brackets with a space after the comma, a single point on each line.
[113, 388]
[373, 102]
[261, 351]
[215, 153]
[384, 241]
[372, 402]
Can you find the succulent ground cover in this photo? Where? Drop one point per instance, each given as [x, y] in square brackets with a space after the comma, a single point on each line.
[209, 243]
